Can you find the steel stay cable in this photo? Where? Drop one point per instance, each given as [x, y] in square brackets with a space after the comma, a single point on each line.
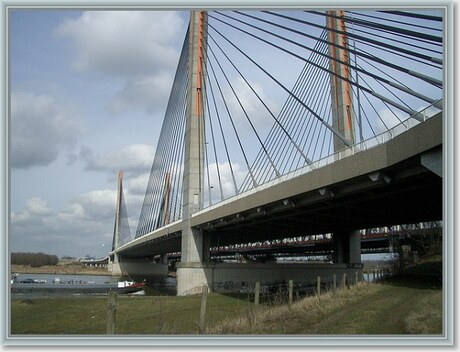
[394, 21]
[145, 217]
[222, 135]
[397, 39]
[220, 123]
[317, 87]
[178, 137]
[290, 107]
[356, 36]
[177, 151]
[312, 86]
[287, 112]
[392, 93]
[287, 90]
[296, 113]
[326, 103]
[170, 146]
[265, 105]
[383, 26]
[402, 108]
[160, 150]
[415, 15]
[244, 110]
[402, 55]
[371, 57]
[212, 133]
[418, 75]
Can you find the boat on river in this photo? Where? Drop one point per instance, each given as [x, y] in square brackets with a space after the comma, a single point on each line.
[130, 286]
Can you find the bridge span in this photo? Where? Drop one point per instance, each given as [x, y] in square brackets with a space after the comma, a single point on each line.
[388, 184]
[358, 143]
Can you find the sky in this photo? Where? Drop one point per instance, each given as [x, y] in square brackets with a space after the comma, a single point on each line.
[88, 94]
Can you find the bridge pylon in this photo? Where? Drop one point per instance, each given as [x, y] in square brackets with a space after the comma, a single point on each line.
[341, 89]
[195, 245]
[347, 245]
[114, 262]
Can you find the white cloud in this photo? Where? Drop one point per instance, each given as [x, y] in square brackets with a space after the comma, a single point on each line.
[140, 47]
[38, 206]
[34, 214]
[135, 159]
[40, 127]
[226, 180]
[124, 43]
[149, 92]
[79, 228]
[137, 185]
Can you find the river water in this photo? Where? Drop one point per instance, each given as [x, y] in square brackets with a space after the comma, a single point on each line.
[55, 285]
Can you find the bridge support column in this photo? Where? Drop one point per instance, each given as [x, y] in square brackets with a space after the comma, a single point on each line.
[114, 265]
[195, 245]
[347, 247]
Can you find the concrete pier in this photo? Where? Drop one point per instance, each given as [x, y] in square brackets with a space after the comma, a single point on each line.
[233, 276]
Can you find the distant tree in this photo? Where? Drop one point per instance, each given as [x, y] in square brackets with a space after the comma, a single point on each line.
[34, 259]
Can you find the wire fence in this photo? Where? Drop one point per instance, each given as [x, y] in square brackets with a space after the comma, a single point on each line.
[199, 313]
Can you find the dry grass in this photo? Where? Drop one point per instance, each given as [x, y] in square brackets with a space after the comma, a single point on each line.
[282, 320]
[364, 309]
[428, 315]
[60, 269]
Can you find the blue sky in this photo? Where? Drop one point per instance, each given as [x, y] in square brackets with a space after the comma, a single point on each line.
[88, 93]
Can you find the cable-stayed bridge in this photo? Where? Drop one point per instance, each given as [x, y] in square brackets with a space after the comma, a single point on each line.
[291, 123]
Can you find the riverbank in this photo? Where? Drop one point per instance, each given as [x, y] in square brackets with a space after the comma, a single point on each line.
[367, 308]
[59, 269]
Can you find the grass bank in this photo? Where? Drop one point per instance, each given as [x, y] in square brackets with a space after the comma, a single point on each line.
[134, 315]
[363, 309]
[367, 309]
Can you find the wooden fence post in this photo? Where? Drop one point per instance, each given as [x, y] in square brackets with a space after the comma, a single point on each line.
[111, 312]
[334, 283]
[204, 297]
[256, 298]
[344, 280]
[356, 278]
[291, 289]
[318, 286]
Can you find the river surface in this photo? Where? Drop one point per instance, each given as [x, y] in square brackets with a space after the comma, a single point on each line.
[55, 285]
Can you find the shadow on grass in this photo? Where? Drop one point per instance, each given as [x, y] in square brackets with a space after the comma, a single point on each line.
[422, 276]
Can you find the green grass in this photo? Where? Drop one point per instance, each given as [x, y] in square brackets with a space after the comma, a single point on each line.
[364, 309]
[369, 309]
[409, 303]
[135, 315]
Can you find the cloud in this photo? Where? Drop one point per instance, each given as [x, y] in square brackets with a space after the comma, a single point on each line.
[81, 227]
[134, 159]
[34, 213]
[149, 92]
[226, 180]
[124, 43]
[40, 127]
[137, 185]
[139, 47]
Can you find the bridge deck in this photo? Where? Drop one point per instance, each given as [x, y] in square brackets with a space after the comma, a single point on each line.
[351, 200]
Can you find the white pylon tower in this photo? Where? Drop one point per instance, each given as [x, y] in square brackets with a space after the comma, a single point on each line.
[194, 247]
